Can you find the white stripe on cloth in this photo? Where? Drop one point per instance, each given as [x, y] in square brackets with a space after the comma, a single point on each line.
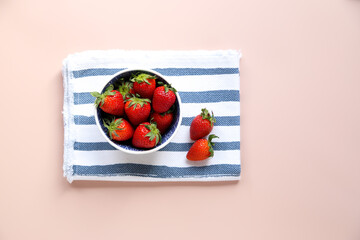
[153, 59]
[161, 158]
[181, 83]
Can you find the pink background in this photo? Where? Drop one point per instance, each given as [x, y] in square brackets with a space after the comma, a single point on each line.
[300, 121]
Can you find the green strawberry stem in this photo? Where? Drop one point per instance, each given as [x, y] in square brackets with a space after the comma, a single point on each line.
[211, 144]
[206, 115]
[154, 132]
[100, 98]
[141, 77]
[135, 100]
[167, 87]
[112, 126]
[124, 89]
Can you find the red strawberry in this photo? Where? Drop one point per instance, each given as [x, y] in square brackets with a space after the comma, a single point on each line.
[202, 125]
[146, 135]
[137, 109]
[144, 84]
[162, 120]
[164, 97]
[111, 101]
[201, 149]
[126, 89]
[119, 129]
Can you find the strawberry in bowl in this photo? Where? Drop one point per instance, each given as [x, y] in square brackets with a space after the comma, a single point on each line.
[136, 127]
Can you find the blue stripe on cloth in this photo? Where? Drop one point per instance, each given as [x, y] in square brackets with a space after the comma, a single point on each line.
[96, 72]
[210, 96]
[186, 97]
[186, 121]
[131, 169]
[183, 147]
[176, 147]
[84, 120]
[220, 121]
[164, 71]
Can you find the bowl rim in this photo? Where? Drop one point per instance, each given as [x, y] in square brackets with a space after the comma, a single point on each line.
[144, 151]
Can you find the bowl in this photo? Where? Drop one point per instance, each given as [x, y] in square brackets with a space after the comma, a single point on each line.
[126, 146]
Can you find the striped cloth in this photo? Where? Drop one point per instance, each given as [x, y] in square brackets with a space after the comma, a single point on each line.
[204, 79]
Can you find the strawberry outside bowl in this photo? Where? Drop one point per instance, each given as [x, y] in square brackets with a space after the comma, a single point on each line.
[126, 146]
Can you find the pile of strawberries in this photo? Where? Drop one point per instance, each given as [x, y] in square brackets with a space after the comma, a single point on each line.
[131, 105]
[201, 126]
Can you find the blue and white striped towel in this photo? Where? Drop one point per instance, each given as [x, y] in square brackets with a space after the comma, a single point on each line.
[204, 79]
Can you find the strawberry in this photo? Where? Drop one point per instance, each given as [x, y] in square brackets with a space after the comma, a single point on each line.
[201, 149]
[164, 97]
[144, 84]
[119, 129]
[111, 101]
[202, 124]
[146, 135]
[162, 120]
[137, 109]
[126, 89]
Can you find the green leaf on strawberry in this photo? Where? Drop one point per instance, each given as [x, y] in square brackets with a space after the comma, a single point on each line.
[142, 77]
[211, 144]
[206, 115]
[118, 129]
[100, 98]
[153, 132]
[167, 87]
[126, 89]
[112, 126]
[135, 100]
